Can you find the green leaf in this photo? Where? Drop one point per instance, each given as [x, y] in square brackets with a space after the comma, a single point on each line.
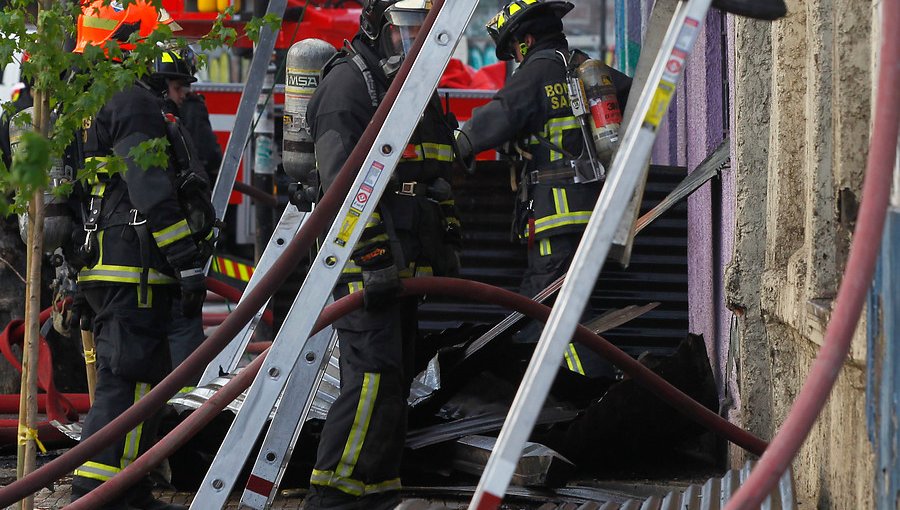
[253, 27]
[151, 153]
[31, 161]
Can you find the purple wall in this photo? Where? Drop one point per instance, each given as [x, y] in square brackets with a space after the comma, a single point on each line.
[695, 126]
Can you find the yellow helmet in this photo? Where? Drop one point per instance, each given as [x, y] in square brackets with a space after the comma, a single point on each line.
[504, 25]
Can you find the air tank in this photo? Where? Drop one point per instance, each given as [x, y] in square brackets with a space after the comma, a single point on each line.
[305, 60]
[604, 107]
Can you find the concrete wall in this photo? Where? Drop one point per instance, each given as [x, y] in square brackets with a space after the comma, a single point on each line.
[801, 110]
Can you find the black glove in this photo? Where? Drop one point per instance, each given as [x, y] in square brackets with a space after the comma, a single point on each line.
[82, 312]
[380, 287]
[193, 291]
[466, 154]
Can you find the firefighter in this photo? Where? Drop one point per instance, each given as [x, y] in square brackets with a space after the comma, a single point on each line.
[194, 116]
[532, 113]
[414, 231]
[533, 105]
[136, 252]
[171, 79]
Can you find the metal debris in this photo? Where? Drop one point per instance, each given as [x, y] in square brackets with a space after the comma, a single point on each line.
[478, 424]
[327, 393]
[72, 430]
[426, 383]
[471, 453]
[713, 495]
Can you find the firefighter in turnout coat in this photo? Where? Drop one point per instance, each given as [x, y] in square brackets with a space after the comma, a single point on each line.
[414, 231]
[136, 253]
[532, 112]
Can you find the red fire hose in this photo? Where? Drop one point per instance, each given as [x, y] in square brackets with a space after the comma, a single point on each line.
[66, 407]
[243, 313]
[855, 283]
[57, 405]
[234, 295]
[417, 286]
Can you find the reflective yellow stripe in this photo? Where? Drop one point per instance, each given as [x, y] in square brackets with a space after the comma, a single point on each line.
[233, 269]
[375, 239]
[133, 439]
[356, 438]
[244, 273]
[122, 274]
[573, 361]
[351, 268]
[554, 130]
[96, 471]
[430, 150]
[561, 220]
[172, 233]
[374, 221]
[101, 23]
[438, 151]
[424, 271]
[355, 286]
[544, 247]
[149, 302]
[560, 200]
[229, 268]
[351, 486]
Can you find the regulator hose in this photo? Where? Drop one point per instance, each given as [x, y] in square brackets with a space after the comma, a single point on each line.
[243, 313]
[855, 283]
[418, 286]
[258, 195]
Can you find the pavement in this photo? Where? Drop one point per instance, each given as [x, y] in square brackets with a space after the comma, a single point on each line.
[57, 496]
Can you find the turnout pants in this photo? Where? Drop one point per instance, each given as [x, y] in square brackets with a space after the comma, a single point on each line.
[358, 460]
[548, 259]
[132, 355]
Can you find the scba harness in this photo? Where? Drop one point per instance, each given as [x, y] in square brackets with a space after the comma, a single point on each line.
[582, 168]
[105, 192]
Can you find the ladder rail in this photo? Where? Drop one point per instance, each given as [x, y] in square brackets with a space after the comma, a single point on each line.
[227, 359]
[287, 424]
[591, 253]
[240, 134]
[438, 42]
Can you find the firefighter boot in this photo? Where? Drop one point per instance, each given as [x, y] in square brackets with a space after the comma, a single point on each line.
[146, 501]
[325, 498]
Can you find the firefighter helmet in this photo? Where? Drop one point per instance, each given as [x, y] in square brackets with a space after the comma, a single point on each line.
[99, 23]
[402, 21]
[171, 66]
[377, 14]
[507, 23]
[372, 17]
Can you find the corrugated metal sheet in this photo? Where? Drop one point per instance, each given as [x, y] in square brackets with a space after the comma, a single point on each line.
[658, 270]
[713, 495]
